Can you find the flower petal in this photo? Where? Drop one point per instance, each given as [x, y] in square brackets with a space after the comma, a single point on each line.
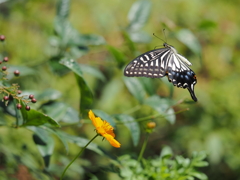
[97, 121]
[112, 141]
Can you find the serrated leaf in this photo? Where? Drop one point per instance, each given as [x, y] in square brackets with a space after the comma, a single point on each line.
[132, 125]
[189, 39]
[35, 118]
[104, 116]
[92, 71]
[138, 14]
[135, 88]
[86, 94]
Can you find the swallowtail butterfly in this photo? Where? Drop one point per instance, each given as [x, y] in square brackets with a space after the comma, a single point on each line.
[164, 62]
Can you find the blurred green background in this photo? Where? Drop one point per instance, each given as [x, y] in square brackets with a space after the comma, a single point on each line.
[212, 124]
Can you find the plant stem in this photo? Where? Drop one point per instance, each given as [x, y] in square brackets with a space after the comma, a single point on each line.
[77, 156]
[141, 154]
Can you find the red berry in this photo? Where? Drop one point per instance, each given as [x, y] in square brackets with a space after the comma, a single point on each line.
[2, 37]
[16, 72]
[6, 98]
[19, 92]
[34, 100]
[31, 96]
[4, 68]
[0, 62]
[5, 59]
[27, 108]
[19, 106]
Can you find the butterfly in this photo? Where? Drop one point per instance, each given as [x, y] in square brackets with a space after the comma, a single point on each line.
[164, 62]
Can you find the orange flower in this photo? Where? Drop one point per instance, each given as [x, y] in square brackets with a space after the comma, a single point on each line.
[104, 129]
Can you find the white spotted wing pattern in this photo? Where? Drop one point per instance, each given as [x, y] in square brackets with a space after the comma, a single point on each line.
[164, 62]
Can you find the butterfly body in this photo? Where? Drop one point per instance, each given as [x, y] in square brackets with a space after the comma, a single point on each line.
[162, 62]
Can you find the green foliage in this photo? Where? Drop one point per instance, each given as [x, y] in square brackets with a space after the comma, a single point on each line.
[71, 56]
[164, 166]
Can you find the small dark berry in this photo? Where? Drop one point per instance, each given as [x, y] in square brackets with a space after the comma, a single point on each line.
[4, 68]
[34, 100]
[19, 92]
[2, 37]
[5, 59]
[27, 108]
[16, 72]
[31, 96]
[6, 98]
[19, 106]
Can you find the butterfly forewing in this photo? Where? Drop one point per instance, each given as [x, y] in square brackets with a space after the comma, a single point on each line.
[150, 64]
[164, 62]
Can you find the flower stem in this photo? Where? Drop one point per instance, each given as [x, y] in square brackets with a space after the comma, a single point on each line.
[141, 154]
[143, 148]
[77, 156]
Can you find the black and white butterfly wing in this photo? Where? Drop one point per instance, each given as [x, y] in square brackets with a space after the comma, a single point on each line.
[164, 62]
[151, 64]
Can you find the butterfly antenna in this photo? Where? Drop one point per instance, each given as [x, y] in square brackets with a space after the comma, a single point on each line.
[158, 37]
[164, 34]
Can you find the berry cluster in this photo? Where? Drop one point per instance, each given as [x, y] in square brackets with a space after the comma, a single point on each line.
[13, 92]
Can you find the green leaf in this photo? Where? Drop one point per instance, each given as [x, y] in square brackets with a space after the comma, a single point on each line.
[170, 115]
[48, 95]
[199, 175]
[86, 94]
[135, 88]
[35, 118]
[104, 116]
[92, 71]
[118, 56]
[189, 39]
[76, 52]
[200, 164]
[138, 14]
[140, 37]
[148, 85]
[63, 9]
[91, 39]
[61, 112]
[166, 152]
[159, 104]
[199, 155]
[132, 125]
[44, 142]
